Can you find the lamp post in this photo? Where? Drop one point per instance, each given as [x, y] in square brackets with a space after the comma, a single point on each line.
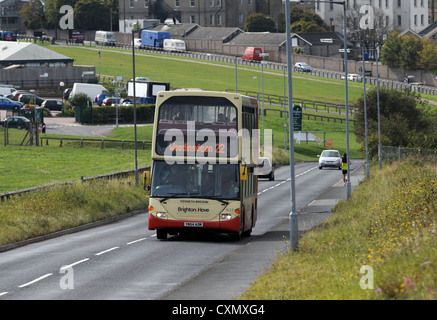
[293, 219]
[344, 4]
[135, 101]
[293, 214]
[98, 48]
[61, 87]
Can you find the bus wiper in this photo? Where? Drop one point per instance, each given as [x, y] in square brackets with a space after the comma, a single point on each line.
[173, 196]
[217, 198]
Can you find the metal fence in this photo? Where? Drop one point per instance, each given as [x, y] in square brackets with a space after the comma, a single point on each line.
[390, 154]
[115, 175]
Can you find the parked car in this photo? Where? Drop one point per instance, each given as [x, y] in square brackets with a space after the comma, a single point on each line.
[100, 97]
[140, 79]
[6, 103]
[266, 168]
[8, 36]
[127, 102]
[52, 105]
[25, 98]
[66, 93]
[18, 122]
[302, 67]
[16, 94]
[352, 77]
[330, 158]
[111, 101]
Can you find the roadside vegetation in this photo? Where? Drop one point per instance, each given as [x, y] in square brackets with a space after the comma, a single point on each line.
[66, 206]
[385, 237]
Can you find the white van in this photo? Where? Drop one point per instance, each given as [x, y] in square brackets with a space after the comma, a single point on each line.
[137, 43]
[105, 38]
[6, 91]
[174, 45]
[90, 89]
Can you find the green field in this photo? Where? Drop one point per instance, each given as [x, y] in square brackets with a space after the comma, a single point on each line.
[188, 73]
[42, 165]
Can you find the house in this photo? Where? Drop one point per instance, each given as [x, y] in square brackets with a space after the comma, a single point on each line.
[27, 65]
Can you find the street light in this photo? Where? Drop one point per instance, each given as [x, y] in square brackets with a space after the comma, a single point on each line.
[135, 100]
[293, 214]
[344, 4]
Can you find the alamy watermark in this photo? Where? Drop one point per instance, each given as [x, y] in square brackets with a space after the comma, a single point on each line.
[67, 20]
[367, 21]
[366, 281]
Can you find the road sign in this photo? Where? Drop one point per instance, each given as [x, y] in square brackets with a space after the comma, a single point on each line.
[297, 118]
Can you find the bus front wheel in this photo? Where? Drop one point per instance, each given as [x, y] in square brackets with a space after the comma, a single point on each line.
[161, 234]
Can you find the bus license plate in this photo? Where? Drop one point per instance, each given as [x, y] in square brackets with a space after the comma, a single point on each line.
[193, 224]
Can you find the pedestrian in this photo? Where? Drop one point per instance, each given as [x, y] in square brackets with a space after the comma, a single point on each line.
[43, 128]
[344, 166]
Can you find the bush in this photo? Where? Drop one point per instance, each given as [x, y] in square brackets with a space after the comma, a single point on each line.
[102, 115]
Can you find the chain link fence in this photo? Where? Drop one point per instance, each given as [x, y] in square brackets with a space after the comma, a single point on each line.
[390, 154]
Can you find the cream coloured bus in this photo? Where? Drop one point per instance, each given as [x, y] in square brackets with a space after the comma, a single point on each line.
[204, 151]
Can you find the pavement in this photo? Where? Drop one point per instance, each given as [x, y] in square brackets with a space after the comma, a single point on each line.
[268, 247]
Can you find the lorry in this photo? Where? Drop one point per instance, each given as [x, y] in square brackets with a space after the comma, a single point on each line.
[90, 89]
[106, 38]
[253, 54]
[175, 45]
[146, 91]
[153, 39]
[76, 35]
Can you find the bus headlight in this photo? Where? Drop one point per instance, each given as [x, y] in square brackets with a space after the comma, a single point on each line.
[226, 216]
[161, 214]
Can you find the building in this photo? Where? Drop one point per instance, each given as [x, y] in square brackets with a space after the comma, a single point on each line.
[27, 65]
[396, 15]
[205, 13]
[9, 18]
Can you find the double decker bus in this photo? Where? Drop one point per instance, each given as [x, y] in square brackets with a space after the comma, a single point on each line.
[205, 151]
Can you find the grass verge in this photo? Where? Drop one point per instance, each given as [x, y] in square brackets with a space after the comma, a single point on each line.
[66, 206]
[387, 230]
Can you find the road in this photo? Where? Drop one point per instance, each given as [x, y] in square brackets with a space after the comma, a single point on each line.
[124, 260]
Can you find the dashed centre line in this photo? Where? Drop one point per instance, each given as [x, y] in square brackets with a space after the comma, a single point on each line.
[36, 280]
[289, 179]
[74, 264]
[3, 293]
[105, 251]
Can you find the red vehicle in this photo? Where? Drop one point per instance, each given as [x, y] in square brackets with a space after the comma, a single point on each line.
[253, 54]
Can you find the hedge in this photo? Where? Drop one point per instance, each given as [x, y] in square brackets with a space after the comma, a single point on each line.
[107, 115]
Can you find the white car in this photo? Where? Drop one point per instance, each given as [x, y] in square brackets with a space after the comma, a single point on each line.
[330, 158]
[302, 67]
[265, 168]
[352, 77]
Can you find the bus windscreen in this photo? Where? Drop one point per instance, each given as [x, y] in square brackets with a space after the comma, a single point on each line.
[197, 125]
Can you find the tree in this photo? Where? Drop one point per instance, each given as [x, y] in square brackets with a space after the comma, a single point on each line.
[304, 18]
[405, 121]
[390, 51]
[91, 15]
[428, 57]
[32, 15]
[409, 53]
[258, 22]
[306, 26]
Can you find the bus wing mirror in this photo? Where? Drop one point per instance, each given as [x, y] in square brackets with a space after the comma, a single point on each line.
[243, 173]
[147, 180]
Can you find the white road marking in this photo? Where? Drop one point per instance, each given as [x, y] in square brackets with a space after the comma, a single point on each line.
[289, 179]
[74, 264]
[3, 293]
[135, 241]
[105, 251]
[36, 280]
